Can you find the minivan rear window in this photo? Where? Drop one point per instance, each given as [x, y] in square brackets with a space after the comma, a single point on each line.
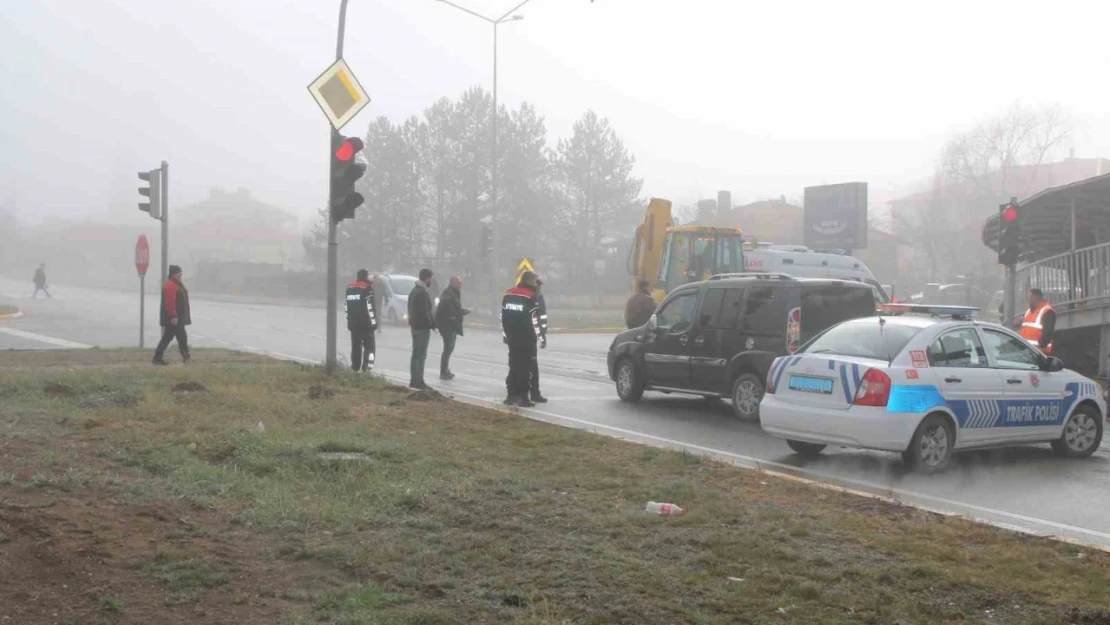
[863, 339]
[825, 305]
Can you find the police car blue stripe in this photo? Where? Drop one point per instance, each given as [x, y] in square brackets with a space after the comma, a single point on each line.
[844, 383]
[855, 375]
[778, 376]
[832, 365]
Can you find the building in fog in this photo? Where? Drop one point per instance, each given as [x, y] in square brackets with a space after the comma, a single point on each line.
[233, 226]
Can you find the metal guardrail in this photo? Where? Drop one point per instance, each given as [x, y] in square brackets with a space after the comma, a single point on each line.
[1070, 279]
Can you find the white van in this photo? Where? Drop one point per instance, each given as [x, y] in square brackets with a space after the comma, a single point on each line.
[799, 261]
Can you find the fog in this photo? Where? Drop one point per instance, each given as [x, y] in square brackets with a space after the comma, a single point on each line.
[762, 100]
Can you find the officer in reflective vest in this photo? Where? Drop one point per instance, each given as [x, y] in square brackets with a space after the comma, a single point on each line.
[362, 321]
[1040, 322]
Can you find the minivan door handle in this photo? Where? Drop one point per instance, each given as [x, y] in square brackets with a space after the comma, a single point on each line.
[1013, 381]
[699, 341]
[953, 380]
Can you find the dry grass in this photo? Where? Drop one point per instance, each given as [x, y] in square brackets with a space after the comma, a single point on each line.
[454, 514]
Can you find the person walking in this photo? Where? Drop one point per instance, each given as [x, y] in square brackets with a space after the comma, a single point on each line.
[640, 307]
[520, 327]
[40, 282]
[449, 322]
[362, 321]
[422, 322]
[1039, 324]
[534, 377]
[174, 315]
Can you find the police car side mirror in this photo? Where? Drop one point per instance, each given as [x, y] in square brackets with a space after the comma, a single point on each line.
[653, 323]
[1053, 364]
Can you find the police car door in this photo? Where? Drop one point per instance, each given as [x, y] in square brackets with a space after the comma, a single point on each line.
[970, 387]
[1034, 406]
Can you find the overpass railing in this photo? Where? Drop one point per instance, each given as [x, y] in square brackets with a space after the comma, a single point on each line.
[1071, 279]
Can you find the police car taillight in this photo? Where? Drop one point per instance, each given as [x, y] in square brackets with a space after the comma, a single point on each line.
[770, 384]
[874, 389]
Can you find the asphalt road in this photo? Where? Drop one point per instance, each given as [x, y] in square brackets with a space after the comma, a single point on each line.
[1026, 488]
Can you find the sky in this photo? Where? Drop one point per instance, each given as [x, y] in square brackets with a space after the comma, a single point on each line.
[762, 98]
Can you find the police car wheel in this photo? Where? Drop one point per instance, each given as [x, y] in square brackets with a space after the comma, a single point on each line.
[630, 384]
[1082, 434]
[809, 450]
[931, 446]
[747, 392]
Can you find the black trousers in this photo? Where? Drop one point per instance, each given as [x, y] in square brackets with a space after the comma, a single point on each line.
[522, 357]
[169, 333]
[534, 382]
[363, 349]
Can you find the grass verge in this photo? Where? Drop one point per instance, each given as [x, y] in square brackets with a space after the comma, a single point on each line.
[369, 506]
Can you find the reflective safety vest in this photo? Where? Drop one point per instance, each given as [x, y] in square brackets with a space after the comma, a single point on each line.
[1032, 328]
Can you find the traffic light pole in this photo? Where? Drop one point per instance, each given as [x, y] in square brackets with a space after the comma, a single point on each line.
[165, 221]
[333, 244]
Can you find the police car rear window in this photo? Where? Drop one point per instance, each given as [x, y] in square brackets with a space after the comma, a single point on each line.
[863, 339]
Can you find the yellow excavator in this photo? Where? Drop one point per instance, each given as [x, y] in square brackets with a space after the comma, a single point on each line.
[668, 256]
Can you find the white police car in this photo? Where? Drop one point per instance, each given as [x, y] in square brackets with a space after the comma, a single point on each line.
[926, 386]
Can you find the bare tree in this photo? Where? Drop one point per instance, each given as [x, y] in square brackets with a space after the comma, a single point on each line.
[998, 158]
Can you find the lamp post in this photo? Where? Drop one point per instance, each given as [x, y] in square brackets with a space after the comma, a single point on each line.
[495, 258]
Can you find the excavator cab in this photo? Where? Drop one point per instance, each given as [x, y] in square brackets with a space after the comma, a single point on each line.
[668, 256]
[694, 253]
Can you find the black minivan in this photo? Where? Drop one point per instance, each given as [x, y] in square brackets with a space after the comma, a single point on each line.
[717, 338]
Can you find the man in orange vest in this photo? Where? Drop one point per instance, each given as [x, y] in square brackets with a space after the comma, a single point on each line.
[1040, 322]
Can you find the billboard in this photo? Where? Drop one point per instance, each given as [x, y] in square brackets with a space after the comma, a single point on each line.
[836, 216]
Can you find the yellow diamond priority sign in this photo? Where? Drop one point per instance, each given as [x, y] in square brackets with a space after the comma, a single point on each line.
[339, 94]
[524, 265]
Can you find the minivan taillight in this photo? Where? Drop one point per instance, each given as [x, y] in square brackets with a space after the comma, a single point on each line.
[874, 390]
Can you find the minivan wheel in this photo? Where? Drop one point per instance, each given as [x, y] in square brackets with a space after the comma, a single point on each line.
[1082, 434]
[931, 446]
[747, 392]
[630, 384]
[809, 450]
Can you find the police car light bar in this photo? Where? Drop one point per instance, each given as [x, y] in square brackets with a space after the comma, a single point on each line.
[929, 309]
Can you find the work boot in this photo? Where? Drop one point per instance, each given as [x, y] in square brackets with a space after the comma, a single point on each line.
[539, 399]
[511, 400]
[447, 375]
[186, 357]
[524, 402]
[159, 360]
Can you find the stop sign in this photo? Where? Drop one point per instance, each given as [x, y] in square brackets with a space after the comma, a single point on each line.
[142, 255]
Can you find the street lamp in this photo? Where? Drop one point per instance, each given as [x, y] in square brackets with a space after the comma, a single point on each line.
[509, 16]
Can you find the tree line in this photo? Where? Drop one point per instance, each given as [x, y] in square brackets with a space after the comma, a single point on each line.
[429, 184]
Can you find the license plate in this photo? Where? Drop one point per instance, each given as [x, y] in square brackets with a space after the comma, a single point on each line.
[810, 385]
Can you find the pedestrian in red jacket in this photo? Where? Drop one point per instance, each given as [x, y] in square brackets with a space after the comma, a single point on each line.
[174, 316]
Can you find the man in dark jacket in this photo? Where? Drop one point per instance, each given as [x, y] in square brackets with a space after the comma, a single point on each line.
[40, 282]
[362, 321]
[174, 315]
[449, 322]
[520, 326]
[534, 378]
[640, 307]
[422, 322]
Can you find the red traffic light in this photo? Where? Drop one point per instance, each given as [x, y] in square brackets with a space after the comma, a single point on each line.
[348, 149]
[1010, 214]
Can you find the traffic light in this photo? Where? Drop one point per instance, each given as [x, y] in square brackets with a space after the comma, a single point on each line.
[345, 172]
[153, 193]
[1009, 233]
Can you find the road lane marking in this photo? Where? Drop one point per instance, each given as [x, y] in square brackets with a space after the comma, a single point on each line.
[42, 338]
